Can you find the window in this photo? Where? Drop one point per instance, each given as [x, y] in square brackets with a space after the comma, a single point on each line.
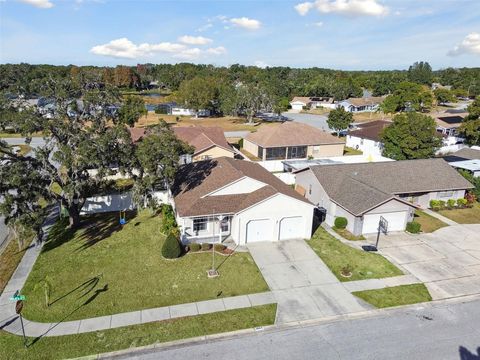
[297, 152]
[276, 153]
[310, 189]
[200, 224]
[225, 225]
[206, 157]
[316, 149]
[445, 194]
[260, 153]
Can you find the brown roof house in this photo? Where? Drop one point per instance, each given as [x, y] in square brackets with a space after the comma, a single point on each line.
[311, 102]
[362, 193]
[292, 140]
[366, 137]
[225, 198]
[362, 104]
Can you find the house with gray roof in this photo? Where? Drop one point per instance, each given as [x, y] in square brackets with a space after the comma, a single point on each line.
[363, 193]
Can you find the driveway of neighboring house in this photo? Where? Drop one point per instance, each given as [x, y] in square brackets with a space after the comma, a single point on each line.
[302, 284]
[318, 121]
[447, 261]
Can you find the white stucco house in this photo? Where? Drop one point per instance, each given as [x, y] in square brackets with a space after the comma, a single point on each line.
[299, 103]
[362, 193]
[182, 111]
[225, 198]
[363, 104]
[366, 137]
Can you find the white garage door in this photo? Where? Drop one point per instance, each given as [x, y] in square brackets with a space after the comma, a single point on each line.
[291, 228]
[259, 230]
[396, 221]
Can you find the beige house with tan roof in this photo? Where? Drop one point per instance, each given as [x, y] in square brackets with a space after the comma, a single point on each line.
[224, 198]
[292, 140]
[363, 104]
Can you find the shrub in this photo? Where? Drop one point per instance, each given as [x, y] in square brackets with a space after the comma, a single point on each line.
[413, 227]
[341, 222]
[435, 204]
[441, 204]
[206, 246]
[219, 247]
[169, 224]
[451, 203]
[461, 202]
[470, 197]
[194, 247]
[171, 248]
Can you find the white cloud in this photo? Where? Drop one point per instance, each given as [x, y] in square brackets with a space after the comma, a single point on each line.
[204, 27]
[261, 64]
[469, 45]
[316, 24]
[246, 23]
[220, 50]
[124, 48]
[194, 40]
[42, 4]
[344, 7]
[188, 54]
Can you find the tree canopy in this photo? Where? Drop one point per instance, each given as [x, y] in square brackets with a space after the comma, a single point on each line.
[411, 136]
[444, 96]
[339, 119]
[470, 128]
[408, 96]
[421, 73]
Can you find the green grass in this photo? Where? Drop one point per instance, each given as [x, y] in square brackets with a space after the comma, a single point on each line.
[395, 296]
[351, 151]
[463, 216]
[428, 223]
[9, 260]
[69, 346]
[104, 269]
[347, 234]
[24, 149]
[337, 256]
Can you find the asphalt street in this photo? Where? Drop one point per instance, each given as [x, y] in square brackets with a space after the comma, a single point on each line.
[444, 331]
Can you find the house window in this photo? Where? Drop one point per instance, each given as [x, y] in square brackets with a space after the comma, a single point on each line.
[206, 157]
[260, 153]
[277, 153]
[445, 194]
[200, 224]
[225, 225]
[297, 152]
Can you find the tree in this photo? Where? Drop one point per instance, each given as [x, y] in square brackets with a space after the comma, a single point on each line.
[408, 96]
[252, 98]
[281, 105]
[411, 136]
[339, 119]
[132, 109]
[158, 158]
[76, 142]
[470, 129]
[444, 96]
[474, 109]
[421, 73]
[197, 94]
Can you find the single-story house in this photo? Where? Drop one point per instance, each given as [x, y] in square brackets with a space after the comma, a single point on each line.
[208, 142]
[362, 104]
[292, 140]
[312, 102]
[225, 198]
[366, 137]
[465, 159]
[183, 111]
[447, 125]
[362, 193]
[300, 102]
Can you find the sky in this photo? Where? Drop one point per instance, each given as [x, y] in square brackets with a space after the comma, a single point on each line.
[338, 34]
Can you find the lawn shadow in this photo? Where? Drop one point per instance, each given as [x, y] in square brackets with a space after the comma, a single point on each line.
[226, 258]
[88, 286]
[59, 234]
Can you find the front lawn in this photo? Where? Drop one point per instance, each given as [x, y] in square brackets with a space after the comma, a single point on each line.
[9, 260]
[463, 216]
[69, 346]
[395, 296]
[428, 223]
[351, 151]
[104, 269]
[347, 234]
[340, 257]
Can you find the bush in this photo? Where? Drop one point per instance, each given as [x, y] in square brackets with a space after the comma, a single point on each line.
[461, 202]
[206, 246]
[169, 224]
[441, 204]
[413, 227]
[470, 197]
[435, 204]
[171, 248]
[219, 247]
[451, 203]
[341, 222]
[194, 247]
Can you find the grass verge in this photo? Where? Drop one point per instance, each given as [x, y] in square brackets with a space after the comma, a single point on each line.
[463, 216]
[428, 223]
[69, 346]
[9, 260]
[347, 234]
[395, 296]
[104, 268]
[338, 256]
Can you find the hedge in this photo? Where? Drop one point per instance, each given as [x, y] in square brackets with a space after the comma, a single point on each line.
[413, 227]
[341, 222]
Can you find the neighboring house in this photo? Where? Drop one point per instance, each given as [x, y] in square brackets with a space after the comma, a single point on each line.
[363, 104]
[447, 125]
[181, 111]
[465, 159]
[292, 140]
[366, 137]
[227, 198]
[208, 142]
[301, 102]
[364, 192]
[436, 86]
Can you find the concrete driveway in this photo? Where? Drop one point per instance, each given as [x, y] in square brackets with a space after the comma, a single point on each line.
[318, 121]
[447, 261]
[302, 284]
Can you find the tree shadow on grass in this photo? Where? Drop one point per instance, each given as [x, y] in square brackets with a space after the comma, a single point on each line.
[86, 287]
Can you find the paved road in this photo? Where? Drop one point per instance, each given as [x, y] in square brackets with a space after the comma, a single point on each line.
[439, 332]
[318, 121]
[3, 232]
[302, 284]
[36, 141]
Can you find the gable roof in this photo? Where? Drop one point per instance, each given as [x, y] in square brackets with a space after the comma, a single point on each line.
[291, 133]
[364, 101]
[360, 187]
[463, 154]
[202, 138]
[370, 130]
[303, 99]
[194, 181]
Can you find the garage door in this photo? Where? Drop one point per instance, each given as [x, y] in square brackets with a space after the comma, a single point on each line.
[259, 230]
[291, 228]
[396, 221]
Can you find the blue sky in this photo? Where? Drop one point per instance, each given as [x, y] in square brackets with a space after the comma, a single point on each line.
[340, 34]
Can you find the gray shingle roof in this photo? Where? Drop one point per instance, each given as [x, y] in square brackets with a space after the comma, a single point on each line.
[360, 187]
